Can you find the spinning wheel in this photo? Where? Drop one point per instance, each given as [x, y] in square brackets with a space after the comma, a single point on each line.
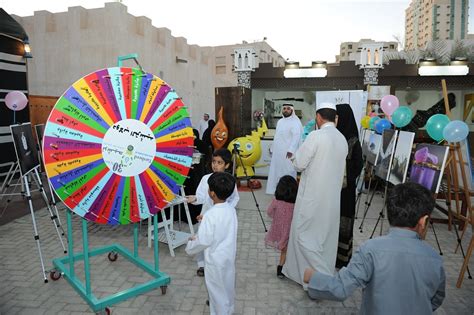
[118, 145]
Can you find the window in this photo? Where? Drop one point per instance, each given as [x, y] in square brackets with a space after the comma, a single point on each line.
[220, 60]
[349, 46]
[220, 69]
[392, 46]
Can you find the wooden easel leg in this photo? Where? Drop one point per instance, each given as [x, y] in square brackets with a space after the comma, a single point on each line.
[465, 263]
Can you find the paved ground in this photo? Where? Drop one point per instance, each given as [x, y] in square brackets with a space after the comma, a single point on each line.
[259, 291]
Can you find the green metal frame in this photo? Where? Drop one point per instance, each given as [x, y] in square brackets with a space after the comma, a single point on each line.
[66, 266]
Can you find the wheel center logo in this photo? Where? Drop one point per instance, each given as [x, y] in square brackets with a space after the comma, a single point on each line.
[128, 147]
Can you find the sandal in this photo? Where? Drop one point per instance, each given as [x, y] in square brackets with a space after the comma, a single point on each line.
[200, 272]
[279, 273]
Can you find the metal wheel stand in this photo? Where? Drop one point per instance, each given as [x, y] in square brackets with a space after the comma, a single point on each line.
[65, 266]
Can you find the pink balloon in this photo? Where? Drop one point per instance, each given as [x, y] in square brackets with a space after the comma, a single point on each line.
[389, 104]
[16, 100]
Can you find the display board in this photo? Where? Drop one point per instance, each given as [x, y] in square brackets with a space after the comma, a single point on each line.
[25, 147]
[357, 99]
[401, 157]
[39, 129]
[117, 145]
[384, 160]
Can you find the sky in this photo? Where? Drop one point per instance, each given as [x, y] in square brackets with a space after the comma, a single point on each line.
[304, 31]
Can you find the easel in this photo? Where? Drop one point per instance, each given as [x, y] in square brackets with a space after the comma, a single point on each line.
[456, 160]
[368, 200]
[386, 182]
[24, 174]
[174, 238]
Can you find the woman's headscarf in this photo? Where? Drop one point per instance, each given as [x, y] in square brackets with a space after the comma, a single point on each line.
[346, 123]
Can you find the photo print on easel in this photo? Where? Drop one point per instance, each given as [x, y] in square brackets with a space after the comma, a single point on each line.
[401, 157]
[428, 165]
[365, 141]
[25, 147]
[373, 148]
[384, 160]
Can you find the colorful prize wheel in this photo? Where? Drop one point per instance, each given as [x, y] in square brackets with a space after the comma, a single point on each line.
[118, 145]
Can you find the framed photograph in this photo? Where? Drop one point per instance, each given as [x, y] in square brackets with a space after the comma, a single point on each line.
[25, 147]
[401, 158]
[384, 160]
[373, 148]
[468, 160]
[428, 165]
[365, 141]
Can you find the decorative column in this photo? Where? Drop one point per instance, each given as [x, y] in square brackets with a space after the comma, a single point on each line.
[371, 60]
[245, 61]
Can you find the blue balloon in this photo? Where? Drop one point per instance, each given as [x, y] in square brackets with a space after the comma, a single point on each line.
[455, 131]
[382, 124]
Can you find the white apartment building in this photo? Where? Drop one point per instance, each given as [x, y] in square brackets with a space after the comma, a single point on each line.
[348, 50]
[430, 20]
[69, 45]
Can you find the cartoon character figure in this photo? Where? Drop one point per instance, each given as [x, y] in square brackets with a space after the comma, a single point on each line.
[249, 149]
[219, 133]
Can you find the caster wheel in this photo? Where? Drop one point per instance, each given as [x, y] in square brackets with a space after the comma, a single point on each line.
[105, 311]
[112, 256]
[54, 275]
[163, 289]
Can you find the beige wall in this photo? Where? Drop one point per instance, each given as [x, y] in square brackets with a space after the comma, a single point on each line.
[68, 45]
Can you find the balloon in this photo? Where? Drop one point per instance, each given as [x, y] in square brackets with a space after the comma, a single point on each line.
[372, 114]
[455, 131]
[365, 121]
[382, 124]
[389, 104]
[435, 126]
[402, 116]
[16, 100]
[372, 122]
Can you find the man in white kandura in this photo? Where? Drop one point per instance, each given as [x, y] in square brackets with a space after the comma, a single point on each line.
[315, 226]
[203, 124]
[285, 143]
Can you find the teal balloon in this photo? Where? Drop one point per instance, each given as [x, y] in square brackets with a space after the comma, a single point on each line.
[381, 125]
[372, 122]
[435, 126]
[402, 116]
[455, 131]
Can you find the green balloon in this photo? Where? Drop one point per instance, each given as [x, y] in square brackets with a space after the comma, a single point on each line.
[372, 122]
[402, 116]
[435, 126]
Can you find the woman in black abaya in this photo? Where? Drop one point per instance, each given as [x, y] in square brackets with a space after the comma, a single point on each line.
[346, 124]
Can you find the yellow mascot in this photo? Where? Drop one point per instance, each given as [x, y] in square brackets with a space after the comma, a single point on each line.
[249, 150]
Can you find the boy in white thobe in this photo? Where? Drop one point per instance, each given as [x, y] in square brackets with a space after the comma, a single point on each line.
[221, 159]
[217, 237]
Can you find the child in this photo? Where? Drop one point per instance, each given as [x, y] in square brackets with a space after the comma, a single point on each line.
[217, 237]
[399, 273]
[221, 159]
[281, 211]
